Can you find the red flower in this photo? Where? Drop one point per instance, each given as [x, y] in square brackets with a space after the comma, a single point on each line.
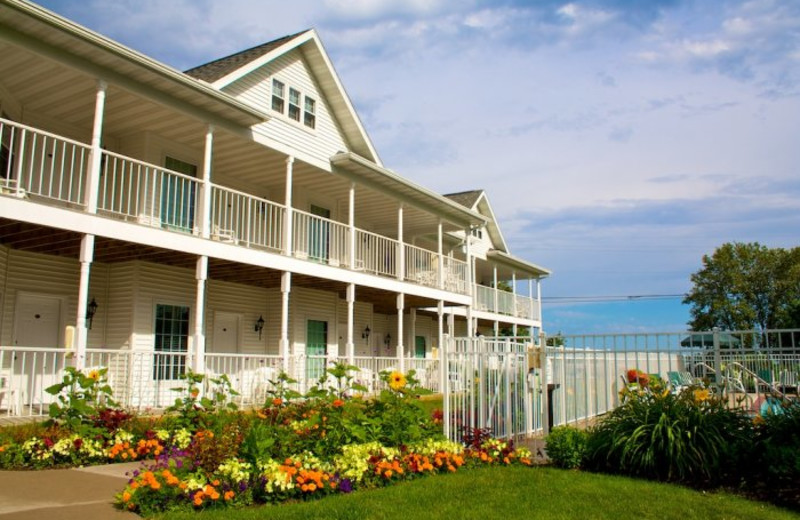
[338, 403]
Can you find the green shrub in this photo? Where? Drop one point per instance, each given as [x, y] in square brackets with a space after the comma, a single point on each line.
[776, 449]
[566, 446]
[691, 438]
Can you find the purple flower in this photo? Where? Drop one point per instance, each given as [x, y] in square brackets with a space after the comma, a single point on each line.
[345, 485]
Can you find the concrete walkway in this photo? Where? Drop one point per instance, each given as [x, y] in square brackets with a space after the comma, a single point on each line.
[64, 494]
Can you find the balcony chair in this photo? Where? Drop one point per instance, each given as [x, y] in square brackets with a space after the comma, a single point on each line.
[9, 394]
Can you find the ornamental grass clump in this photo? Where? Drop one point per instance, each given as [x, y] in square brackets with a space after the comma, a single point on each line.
[691, 437]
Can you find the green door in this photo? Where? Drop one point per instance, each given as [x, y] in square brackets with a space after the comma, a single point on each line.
[316, 345]
[319, 235]
[178, 196]
[419, 346]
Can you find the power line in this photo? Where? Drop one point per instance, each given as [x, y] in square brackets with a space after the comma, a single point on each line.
[614, 298]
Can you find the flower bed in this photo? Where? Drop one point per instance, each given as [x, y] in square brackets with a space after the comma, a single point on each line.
[203, 453]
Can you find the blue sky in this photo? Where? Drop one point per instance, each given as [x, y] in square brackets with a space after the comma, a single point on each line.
[618, 141]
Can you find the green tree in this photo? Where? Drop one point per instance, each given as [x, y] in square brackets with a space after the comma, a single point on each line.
[743, 286]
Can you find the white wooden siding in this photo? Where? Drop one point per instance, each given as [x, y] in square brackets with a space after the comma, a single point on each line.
[256, 89]
[120, 305]
[250, 303]
[311, 304]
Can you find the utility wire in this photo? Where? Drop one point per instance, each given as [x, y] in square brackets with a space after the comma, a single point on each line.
[616, 298]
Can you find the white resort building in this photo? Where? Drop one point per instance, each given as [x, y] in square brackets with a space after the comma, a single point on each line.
[234, 218]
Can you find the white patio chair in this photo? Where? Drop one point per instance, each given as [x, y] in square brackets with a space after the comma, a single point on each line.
[9, 394]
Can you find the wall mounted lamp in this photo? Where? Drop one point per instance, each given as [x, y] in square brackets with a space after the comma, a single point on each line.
[259, 326]
[91, 309]
[366, 333]
[387, 340]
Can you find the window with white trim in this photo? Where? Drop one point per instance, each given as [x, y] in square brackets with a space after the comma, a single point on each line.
[294, 104]
[278, 95]
[310, 113]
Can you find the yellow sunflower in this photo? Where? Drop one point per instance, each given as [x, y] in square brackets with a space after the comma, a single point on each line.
[397, 381]
[94, 374]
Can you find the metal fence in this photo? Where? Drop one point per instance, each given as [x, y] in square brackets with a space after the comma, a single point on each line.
[520, 387]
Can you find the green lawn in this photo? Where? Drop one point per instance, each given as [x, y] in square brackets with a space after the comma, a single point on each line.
[515, 492]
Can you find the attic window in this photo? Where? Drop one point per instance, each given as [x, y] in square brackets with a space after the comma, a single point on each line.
[278, 95]
[477, 232]
[310, 115]
[294, 104]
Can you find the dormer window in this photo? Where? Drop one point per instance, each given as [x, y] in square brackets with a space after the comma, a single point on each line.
[310, 115]
[294, 104]
[278, 95]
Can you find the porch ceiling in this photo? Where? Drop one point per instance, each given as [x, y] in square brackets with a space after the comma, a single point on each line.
[50, 241]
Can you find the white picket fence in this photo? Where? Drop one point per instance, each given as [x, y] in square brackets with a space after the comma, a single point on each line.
[145, 380]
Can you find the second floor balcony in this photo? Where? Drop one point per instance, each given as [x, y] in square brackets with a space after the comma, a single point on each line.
[45, 168]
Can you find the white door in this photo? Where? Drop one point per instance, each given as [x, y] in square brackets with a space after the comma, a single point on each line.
[225, 339]
[37, 323]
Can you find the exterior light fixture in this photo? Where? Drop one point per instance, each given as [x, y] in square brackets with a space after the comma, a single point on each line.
[91, 309]
[366, 333]
[259, 326]
[387, 339]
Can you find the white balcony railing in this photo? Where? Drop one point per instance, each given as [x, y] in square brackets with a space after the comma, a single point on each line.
[509, 304]
[34, 163]
[455, 275]
[243, 219]
[45, 167]
[421, 266]
[319, 239]
[375, 254]
[148, 194]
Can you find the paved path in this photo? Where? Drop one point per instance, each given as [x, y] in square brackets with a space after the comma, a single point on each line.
[64, 494]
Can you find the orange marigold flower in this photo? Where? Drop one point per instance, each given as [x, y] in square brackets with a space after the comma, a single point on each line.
[277, 401]
[126, 496]
[338, 403]
[229, 495]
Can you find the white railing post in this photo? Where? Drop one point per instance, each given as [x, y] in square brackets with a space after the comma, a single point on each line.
[351, 222]
[401, 250]
[81, 341]
[445, 383]
[288, 203]
[286, 287]
[439, 256]
[199, 340]
[351, 299]
[93, 186]
[400, 351]
[205, 213]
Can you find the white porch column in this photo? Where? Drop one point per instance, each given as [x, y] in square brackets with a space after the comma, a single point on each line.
[440, 251]
[470, 265]
[401, 302]
[286, 288]
[96, 161]
[496, 328]
[82, 332]
[205, 214]
[514, 310]
[451, 323]
[401, 250]
[539, 299]
[496, 290]
[470, 324]
[440, 329]
[351, 300]
[199, 340]
[287, 201]
[440, 345]
[351, 222]
[413, 319]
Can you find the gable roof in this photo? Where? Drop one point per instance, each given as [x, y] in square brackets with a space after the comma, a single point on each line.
[218, 69]
[465, 198]
[224, 71]
[477, 200]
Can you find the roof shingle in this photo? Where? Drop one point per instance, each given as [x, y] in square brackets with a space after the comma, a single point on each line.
[218, 69]
[465, 198]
